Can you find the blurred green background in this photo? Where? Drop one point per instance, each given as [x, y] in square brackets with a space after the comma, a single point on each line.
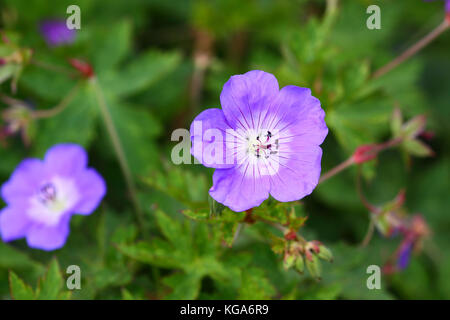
[159, 63]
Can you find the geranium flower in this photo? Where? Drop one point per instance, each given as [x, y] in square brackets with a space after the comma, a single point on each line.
[42, 196]
[447, 5]
[263, 141]
[56, 33]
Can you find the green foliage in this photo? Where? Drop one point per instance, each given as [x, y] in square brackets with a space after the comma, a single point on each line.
[193, 252]
[50, 286]
[19, 290]
[255, 285]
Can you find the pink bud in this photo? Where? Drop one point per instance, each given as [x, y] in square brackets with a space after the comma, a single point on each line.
[83, 67]
[291, 235]
[365, 153]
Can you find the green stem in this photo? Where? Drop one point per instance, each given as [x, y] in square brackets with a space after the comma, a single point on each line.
[369, 233]
[117, 145]
[42, 114]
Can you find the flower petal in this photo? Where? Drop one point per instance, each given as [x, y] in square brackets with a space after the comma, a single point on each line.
[92, 189]
[66, 159]
[297, 174]
[24, 181]
[48, 238]
[297, 115]
[246, 98]
[14, 223]
[210, 142]
[240, 188]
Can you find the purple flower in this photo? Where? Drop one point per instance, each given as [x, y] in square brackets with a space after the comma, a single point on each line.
[56, 33]
[41, 196]
[447, 5]
[263, 141]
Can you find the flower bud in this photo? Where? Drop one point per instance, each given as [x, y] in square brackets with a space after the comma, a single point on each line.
[300, 263]
[325, 253]
[289, 261]
[290, 235]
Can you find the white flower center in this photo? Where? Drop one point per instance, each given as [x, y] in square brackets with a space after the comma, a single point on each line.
[52, 200]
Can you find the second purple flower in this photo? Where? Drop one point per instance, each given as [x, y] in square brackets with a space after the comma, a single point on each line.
[42, 196]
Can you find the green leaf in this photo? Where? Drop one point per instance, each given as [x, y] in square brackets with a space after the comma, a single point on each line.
[197, 215]
[255, 285]
[126, 295]
[414, 126]
[173, 230]
[137, 130]
[112, 44]
[183, 185]
[14, 259]
[417, 148]
[359, 123]
[51, 284]
[229, 230]
[141, 72]
[396, 122]
[355, 76]
[114, 276]
[19, 290]
[76, 123]
[46, 84]
[184, 286]
[159, 253]
[8, 71]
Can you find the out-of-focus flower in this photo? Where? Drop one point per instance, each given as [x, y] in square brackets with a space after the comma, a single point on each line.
[42, 196]
[414, 231]
[17, 119]
[298, 253]
[391, 221]
[56, 33]
[447, 5]
[404, 255]
[263, 141]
